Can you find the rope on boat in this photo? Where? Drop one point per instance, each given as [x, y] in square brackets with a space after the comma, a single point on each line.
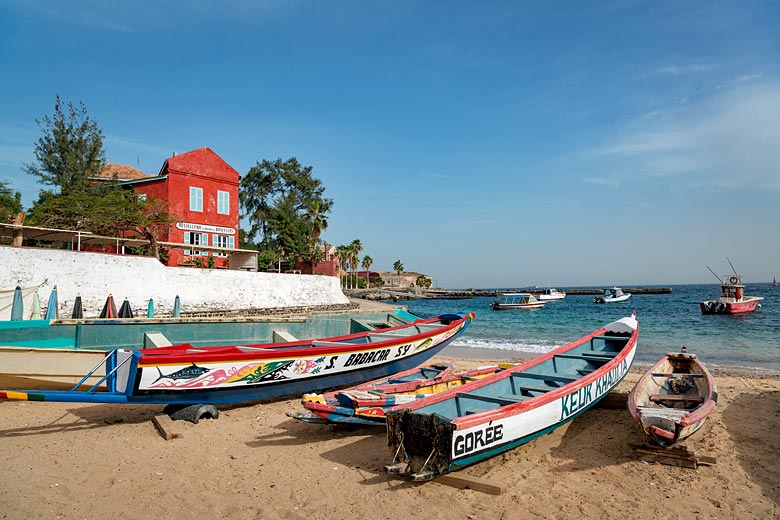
[401, 445]
[427, 460]
[680, 385]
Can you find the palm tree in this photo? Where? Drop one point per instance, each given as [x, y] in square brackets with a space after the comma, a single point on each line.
[366, 264]
[398, 267]
[355, 249]
[342, 252]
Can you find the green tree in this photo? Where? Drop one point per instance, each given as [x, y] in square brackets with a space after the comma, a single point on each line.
[398, 267]
[10, 203]
[285, 207]
[342, 253]
[423, 281]
[366, 264]
[355, 248]
[70, 151]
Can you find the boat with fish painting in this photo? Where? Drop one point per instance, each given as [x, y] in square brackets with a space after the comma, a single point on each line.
[186, 375]
[459, 427]
[368, 403]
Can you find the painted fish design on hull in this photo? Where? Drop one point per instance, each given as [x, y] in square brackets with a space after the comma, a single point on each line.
[185, 373]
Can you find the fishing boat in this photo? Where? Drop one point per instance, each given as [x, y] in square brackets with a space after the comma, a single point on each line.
[612, 295]
[732, 297]
[672, 400]
[57, 353]
[367, 403]
[456, 428]
[774, 281]
[186, 375]
[516, 301]
[551, 294]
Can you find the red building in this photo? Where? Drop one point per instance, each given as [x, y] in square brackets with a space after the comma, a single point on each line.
[202, 192]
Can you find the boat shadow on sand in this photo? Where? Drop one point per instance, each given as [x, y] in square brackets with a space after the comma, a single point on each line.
[365, 451]
[757, 448]
[82, 417]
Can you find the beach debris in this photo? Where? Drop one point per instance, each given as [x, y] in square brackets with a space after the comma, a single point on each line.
[680, 455]
[166, 427]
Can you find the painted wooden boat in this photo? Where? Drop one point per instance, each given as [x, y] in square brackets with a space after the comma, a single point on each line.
[732, 298]
[183, 374]
[612, 295]
[516, 301]
[447, 431]
[367, 403]
[57, 353]
[551, 294]
[672, 400]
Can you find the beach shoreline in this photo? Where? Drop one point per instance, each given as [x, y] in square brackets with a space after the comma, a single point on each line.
[75, 461]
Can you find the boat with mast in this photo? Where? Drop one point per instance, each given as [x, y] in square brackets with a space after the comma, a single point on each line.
[732, 296]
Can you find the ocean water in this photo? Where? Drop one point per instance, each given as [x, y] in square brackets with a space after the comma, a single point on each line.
[666, 322]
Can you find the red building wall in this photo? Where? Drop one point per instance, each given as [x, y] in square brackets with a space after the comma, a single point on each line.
[204, 169]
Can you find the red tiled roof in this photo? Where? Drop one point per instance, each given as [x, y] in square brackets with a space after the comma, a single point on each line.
[123, 172]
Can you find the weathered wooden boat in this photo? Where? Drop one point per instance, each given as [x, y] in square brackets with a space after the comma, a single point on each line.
[367, 403]
[447, 431]
[732, 298]
[57, 353]
[516, 301]
[183, 374]
[612, 295]
[672, 400]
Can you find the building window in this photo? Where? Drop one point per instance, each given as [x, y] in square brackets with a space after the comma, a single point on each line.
[223, 202]
[195, 239]
[226, 241]
[196, 199]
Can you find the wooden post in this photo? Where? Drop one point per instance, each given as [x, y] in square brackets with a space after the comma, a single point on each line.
[18, 234]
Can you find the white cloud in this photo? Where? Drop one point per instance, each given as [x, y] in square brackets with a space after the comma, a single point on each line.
[730, 139]
[679, 70]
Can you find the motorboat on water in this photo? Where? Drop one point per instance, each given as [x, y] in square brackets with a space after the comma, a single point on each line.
[732, 298]
[551, 294]
[612, 295]
[516, 301]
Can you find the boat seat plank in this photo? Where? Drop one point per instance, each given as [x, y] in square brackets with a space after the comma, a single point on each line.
[433, 326]
[585, 371]
[390, 335]
[529, 388]
[485, 398]
[605, 355]
[678, 374]
[658, 398]
[546, 377]
[590, 359]
[612, 338]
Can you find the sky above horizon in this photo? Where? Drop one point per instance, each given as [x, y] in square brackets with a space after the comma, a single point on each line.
[487, 144]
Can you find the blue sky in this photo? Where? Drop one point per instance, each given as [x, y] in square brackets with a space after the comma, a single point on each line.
[488, 144]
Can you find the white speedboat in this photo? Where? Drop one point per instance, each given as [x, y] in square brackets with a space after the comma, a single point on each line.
[612, 295]
[516, 301]
[551, 294]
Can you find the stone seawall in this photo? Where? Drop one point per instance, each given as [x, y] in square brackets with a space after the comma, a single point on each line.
[96, 275]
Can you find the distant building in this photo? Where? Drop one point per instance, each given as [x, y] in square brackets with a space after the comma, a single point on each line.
[202, 191]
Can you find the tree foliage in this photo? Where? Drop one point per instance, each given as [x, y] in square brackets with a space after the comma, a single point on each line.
[285, 207]
[10, 203]
[70, 150]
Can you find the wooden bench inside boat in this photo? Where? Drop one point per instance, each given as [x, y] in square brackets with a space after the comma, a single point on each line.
[589, 358]
[686, 375]
[659, 398]
[558, 378]
[462, 399]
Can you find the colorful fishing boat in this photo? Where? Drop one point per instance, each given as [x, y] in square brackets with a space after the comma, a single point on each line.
[459, 427]
[732, 298]
[184, 375]
[672, 400]
[612, 295]
[367, 403]
[516, 301]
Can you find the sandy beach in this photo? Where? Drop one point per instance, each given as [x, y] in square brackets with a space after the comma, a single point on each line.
[81, 461]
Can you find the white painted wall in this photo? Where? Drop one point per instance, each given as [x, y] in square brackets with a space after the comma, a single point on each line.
[96, 275]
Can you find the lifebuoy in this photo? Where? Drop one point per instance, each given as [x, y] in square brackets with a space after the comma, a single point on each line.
[733, 280]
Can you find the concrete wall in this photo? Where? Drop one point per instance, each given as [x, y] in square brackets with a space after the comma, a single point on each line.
[95, 275]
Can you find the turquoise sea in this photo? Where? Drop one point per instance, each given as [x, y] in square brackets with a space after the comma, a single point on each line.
[667, 322]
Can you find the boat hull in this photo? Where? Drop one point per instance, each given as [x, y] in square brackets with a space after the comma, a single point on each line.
[672, 400]
[185, 375]
[748, 304]
[508, 409]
